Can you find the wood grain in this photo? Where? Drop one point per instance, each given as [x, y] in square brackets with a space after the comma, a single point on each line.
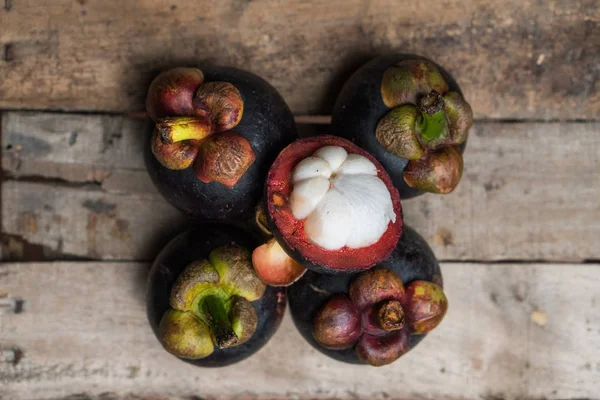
[79, 189]
[513, 59]
[83, 329]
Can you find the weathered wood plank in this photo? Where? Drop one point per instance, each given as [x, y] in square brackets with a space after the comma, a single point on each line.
[42, 221]
[530, 191]
[513, 331]
[514, 59]
[99, 149]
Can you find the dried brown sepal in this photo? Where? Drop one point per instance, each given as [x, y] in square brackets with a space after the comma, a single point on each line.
[431, 103]
[274, 266]
[224, 158]
[396, 132]
[234, 265]
[171, 93]
[195, 278]
[437, 172]
[409, 80]
[459, 115]
[221, 102]
[243, 319]
[176, 156]
[425, 306]
[390, 315]
[382, 350]
[337, 325]
[374, 286]
[184, 335]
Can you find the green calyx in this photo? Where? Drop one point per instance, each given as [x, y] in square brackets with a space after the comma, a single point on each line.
[410, 131]
[430, 125]
[459, 116]
[210, 304]
[409, 80]
[425, 125]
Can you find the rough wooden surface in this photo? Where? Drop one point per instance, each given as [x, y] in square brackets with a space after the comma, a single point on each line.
[513, 331]
[530, 192]
[514, 59]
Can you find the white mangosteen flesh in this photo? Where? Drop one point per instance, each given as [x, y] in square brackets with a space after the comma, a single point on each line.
[341, 199]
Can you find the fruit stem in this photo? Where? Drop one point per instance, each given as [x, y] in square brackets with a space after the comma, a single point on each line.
[431, 121]
[177, 129]
[218, 320]
[390, 315]
[260, 218]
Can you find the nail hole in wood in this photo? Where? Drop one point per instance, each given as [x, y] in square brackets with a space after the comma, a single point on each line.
[9, 52]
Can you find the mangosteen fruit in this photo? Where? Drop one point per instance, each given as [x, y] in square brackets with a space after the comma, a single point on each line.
[205, 303]
[210, 139]
[375, 316]
[330, 206]
[411, 115]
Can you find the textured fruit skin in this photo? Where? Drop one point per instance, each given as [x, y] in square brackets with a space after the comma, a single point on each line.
[267, 123]
[293, 154]
[196, 244]
[359, 107]
[412, 259]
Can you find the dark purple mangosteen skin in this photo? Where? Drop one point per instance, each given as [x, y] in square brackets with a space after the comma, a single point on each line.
[412, 259]
[196, 244]
[359, 107]
[267, 123]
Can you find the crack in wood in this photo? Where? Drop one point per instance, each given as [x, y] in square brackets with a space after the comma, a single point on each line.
[90, 185]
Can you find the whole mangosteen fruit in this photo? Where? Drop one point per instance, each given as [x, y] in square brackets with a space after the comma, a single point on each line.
[330, 206]
[211, 137]
[375, 316]
[205, 303]
[411, 115]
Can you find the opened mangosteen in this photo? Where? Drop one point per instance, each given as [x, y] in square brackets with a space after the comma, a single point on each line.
[205, 302]
[375, 316]
[330, 206]
[411, 115]
[211, 137]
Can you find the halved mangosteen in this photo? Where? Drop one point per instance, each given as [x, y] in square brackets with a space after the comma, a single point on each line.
[205, 302]
[211, 138]
[331, 206]
[411, 115]
[378, 315]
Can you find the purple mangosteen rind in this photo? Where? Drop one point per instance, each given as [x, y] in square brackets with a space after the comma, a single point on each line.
[192, 246]
[265, 128]
[360, 107]
[412, 260]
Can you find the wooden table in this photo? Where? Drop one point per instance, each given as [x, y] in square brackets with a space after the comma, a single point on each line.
[519, 240]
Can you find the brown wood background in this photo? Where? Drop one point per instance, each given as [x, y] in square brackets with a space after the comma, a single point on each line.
[80, 220]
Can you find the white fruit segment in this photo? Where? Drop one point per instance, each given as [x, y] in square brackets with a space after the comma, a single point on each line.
[342, 199]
